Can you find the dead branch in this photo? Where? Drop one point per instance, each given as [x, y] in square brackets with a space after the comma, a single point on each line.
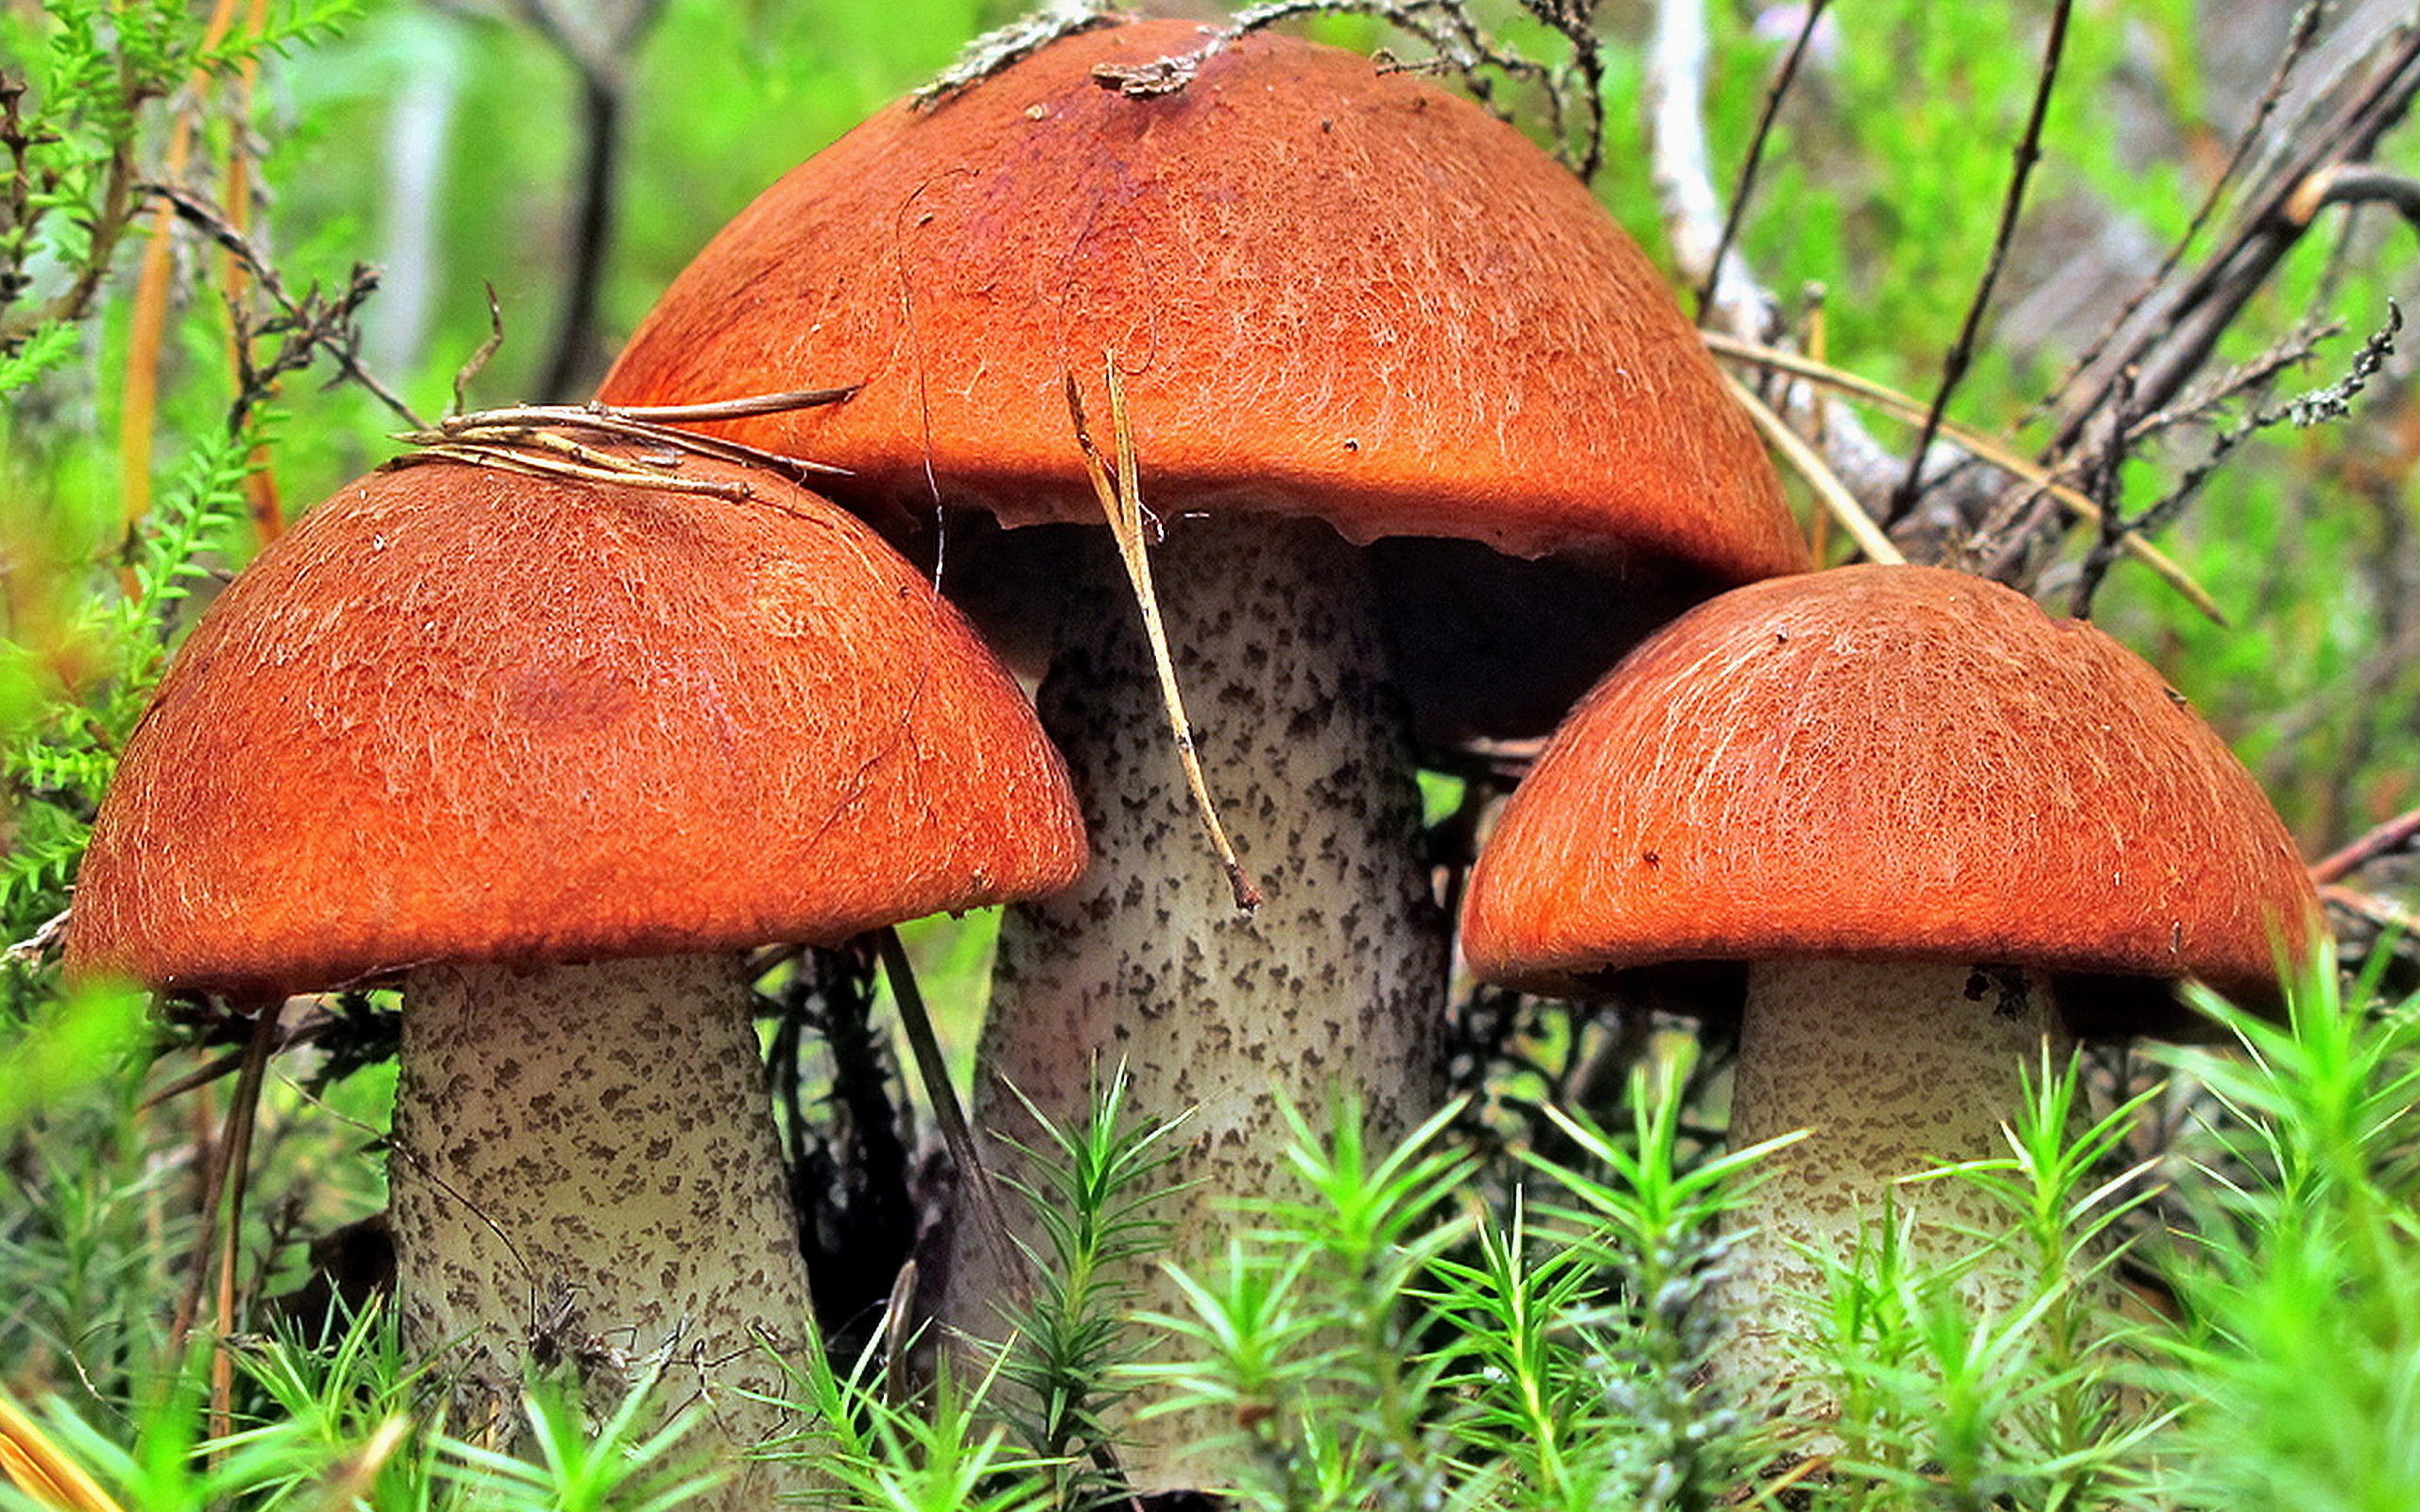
[340, 340]
[2173, 336]
[2355, 183]
[1745, 189]
[1736, 303]
[1961, 353]
[2396, 834]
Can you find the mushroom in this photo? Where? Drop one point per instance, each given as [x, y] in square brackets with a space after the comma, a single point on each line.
[555, 753]
[1346, 306]
[1938, 825]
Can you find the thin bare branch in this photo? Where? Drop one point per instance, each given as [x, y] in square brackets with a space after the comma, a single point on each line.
[2355, 183]
[740, 408]
[1693, 221]
[2396, 834]
[1961, 353]
[1809, 464]
[243, 1121]
[480, 358]
[319, 1024]
[597, 39]
[1744, 188]
[1008, 1259]
[339, 346]
[2175, 337]
[2379, 912]
[542, 440]
[998, 49]
[504, 457]
[1984, 447]
[2298, 45]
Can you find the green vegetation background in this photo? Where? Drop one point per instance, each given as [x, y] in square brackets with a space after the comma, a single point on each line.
[1882, 186]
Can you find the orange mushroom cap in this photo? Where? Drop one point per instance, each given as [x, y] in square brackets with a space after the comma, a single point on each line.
[1332, 291]
[1889, 763]
[464, 713]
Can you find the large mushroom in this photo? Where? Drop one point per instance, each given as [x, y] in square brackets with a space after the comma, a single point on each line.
[1938, 824]
[555, 753]
[1348, 307]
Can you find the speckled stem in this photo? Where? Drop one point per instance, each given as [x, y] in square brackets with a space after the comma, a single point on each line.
[1338, 978]
[585, 1174]
[1894, 1069]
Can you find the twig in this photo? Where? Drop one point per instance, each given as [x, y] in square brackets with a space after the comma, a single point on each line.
[1008, 1259]
[2378, 911]
[2298, 43]
[2294, 350]
[540, 441]
[2327, 403]
[1837, 500]
[319, 322]
[479, 356]
[44, 939]
[302, 1034]
[1745, 187]
[1121, 500]
[1818, 409]
[2341, 183]
[575, 348]
[106, 230]
[597, 41]
[2397, 833]
[1984, 447]
[237, 1157]
[998, 50]
[1693, 217]
[700, 414]
[2104, 476]
[1961, 353]
[214, 1177]
[504, 457]
[200, 212]
[1447, 27]
[2174, 339]
[1675, 100]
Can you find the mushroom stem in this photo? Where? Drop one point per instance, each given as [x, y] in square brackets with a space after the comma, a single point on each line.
[1337, 980]
[1893, 1069]
[583, 1179]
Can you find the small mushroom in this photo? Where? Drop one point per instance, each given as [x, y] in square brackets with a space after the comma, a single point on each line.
[553, 753]
[1349, 308]
[1938, 824]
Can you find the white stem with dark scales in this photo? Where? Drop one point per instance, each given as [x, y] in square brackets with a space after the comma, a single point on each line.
[1338, 979]
[586, 1177]
[1893, 1069]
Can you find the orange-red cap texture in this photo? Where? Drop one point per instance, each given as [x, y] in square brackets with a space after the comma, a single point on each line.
[1888, 762]
[1331, 291]
[462, 714]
